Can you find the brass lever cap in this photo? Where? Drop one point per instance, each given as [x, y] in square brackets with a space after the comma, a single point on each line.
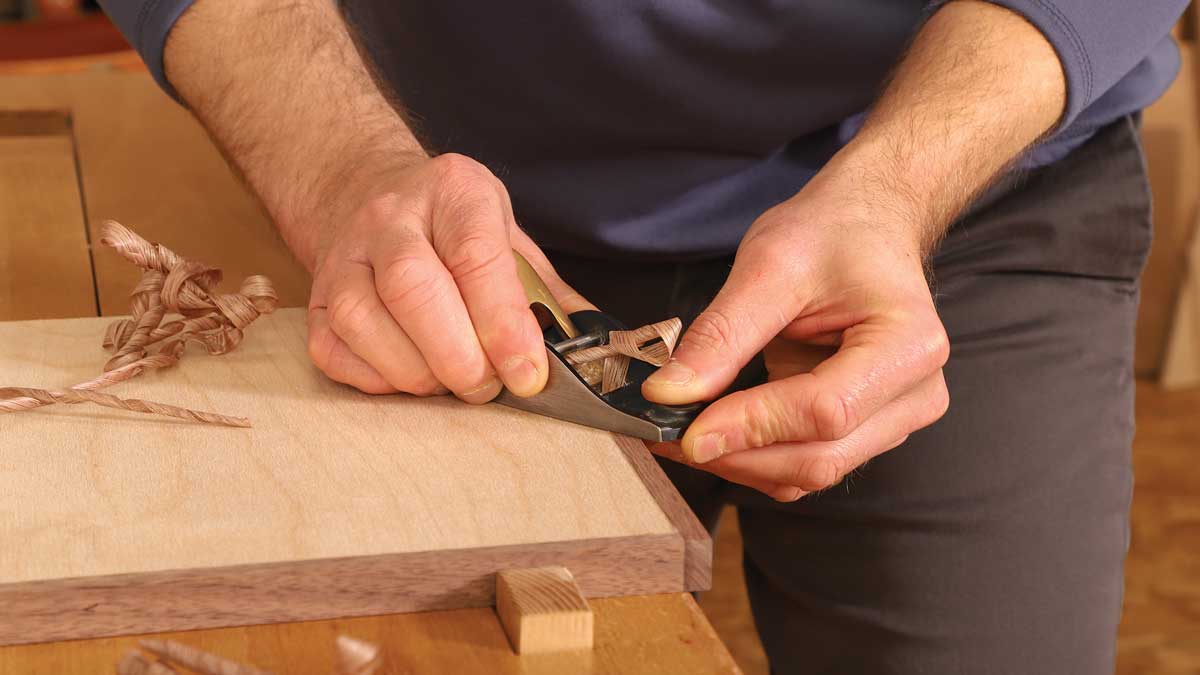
[538, 294]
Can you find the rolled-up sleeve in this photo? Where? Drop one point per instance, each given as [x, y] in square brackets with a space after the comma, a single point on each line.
[145, 24]
[1099, 42]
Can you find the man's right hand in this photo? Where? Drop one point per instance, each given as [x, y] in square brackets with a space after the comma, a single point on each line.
[415, 288]
[414, 284]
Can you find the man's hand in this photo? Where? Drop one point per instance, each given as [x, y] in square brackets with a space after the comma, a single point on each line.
[811, 279]
[414, 284]
[831, 282]
[415, 288]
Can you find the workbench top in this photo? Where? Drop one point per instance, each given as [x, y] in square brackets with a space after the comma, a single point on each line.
[77, 149]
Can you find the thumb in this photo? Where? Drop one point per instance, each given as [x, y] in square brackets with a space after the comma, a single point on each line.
[757, 302]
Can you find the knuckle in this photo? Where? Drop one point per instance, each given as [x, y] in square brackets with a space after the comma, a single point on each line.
[476, 254]
[712, 331]
[833, 415]
[765, 422]
[349, 313]
[457, 169]
[508, 328]
[321, 344]
[817, 472]
[453, 162]
[935, 346]
[939, 404]
[407, 284]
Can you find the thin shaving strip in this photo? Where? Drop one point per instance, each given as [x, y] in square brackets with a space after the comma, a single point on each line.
[46, 397]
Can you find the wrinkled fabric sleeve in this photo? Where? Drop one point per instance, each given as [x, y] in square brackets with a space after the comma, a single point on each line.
[145, 24]
[1097, 41]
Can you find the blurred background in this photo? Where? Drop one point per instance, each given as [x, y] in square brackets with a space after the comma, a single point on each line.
[1160, 633]
[70, 34]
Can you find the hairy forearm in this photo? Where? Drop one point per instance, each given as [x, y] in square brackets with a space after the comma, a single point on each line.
[977, 87]
[282, 88]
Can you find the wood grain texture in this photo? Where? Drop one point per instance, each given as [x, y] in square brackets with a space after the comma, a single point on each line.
[45, 269]
[336, 503]
[543, 611]
[146, 162]
[636, 634]
[64, 609]
[698, 546]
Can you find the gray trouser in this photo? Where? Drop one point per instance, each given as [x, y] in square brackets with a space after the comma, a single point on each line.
[993, 541]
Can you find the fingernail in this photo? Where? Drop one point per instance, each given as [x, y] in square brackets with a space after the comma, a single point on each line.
[520, 375]
[484, 392]
[708, 447]
[673, 374]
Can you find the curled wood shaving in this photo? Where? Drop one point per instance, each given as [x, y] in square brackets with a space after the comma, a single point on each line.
[170, 284]
[197, 660]
[652, 343]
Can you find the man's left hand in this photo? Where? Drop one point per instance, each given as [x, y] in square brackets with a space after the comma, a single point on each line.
[834, 292]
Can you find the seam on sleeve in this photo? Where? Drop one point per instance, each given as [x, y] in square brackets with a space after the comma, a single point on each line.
[1076, 42]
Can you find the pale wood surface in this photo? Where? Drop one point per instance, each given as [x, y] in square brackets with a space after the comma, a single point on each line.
[325, 471]
[638, 634]
[542, 610]
[331, 487]
[44, 265]
[145, 162]
[178, 173]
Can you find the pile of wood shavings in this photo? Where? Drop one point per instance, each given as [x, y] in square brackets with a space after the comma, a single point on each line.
[170, 285]
[653, 343]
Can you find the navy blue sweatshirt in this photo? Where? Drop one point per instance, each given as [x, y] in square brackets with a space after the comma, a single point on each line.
[663, 128]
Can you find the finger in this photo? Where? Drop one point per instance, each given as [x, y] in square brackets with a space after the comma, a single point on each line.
[752, 307]
[812, 467]
[671, 451]
[668, 449]
[878, 361]
[334, 358]
[471, 238]
[784, 358]
[358, 318]
[568, 297]
[421, 296]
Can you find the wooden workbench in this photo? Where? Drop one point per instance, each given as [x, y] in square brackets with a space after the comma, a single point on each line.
[76, 149]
